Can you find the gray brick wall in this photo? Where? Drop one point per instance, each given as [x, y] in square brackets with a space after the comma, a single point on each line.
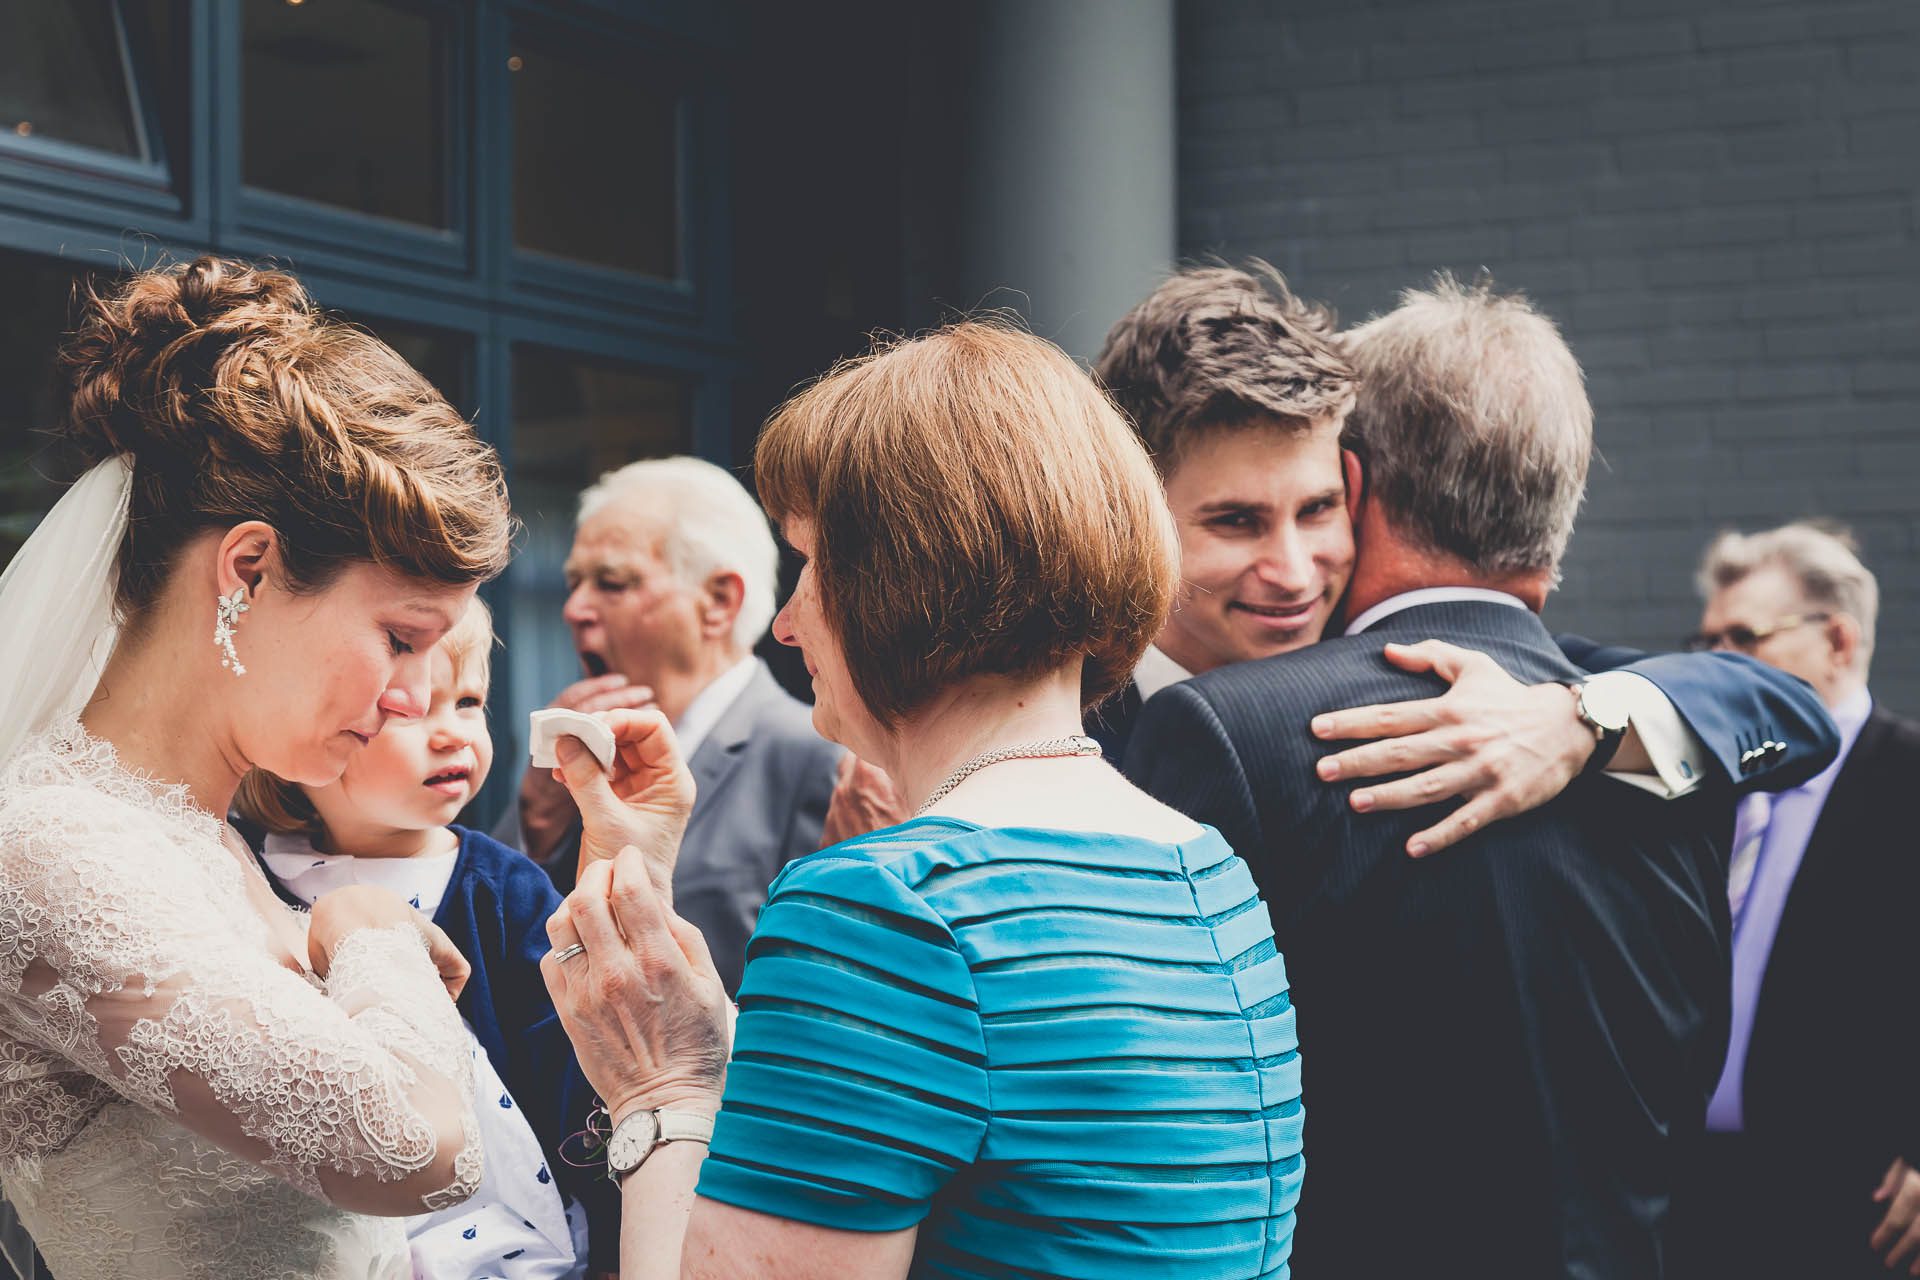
[1717, 200]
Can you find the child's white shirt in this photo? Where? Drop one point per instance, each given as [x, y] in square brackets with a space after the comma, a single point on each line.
[515, 1227]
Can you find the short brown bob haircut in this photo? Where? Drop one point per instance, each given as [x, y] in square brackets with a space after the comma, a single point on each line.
[1219, 347]
[979, 508]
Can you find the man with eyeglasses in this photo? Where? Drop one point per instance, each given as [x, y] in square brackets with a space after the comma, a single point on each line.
[1808, 1165]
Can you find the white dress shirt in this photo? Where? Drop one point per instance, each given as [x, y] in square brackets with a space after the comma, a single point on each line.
[704, 712]
[1155, 671]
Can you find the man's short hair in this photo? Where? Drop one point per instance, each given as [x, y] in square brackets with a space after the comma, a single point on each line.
[1220, 347]
[1821, 556]
[1473, 425]
[979, 508]
[708, 523]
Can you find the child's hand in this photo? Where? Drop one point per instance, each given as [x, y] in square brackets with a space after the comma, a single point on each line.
[337, 914]
[643, 802]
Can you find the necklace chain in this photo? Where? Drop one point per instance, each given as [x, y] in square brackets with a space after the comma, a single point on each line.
[1077, 745]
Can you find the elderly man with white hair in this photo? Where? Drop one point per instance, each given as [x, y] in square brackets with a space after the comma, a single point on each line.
[670, 582]
[1813, 1134]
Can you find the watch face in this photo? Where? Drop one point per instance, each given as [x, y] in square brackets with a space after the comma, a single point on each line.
[632, 1141]
[1603, 702]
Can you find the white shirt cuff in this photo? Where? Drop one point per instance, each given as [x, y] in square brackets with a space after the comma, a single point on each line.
[1679, 758]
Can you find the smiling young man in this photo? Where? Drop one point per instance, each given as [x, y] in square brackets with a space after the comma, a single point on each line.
[1240, 393]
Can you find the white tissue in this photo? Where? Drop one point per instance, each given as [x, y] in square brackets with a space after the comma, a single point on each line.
[545, 727]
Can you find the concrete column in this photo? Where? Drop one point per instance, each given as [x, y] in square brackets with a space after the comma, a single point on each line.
[1068, 188]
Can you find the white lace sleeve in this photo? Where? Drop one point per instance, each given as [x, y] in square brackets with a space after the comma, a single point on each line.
[138, 959]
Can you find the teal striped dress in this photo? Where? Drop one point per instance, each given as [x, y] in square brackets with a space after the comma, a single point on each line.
[1059, 1053]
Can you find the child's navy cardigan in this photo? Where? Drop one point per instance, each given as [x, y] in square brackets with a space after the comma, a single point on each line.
[495, 910]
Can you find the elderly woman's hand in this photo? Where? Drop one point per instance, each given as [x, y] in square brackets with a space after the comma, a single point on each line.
[645, 1009]
[642, 802]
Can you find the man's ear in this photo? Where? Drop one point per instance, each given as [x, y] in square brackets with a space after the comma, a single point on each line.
[1356, 484]
[1843, 636]
[720, 600]
[244, 555]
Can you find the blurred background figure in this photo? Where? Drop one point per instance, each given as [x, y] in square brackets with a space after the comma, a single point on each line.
[1815, 1122]
[669, 583]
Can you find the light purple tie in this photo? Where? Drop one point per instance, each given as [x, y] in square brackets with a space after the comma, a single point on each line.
[1749, 834]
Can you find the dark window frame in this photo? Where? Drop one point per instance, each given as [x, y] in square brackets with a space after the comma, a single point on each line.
[538, 273]
[50, 176]
[102, 210]
[273, 216]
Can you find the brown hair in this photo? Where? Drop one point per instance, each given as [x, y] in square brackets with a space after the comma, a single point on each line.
[238, 400]
[281, 806]
[1217, 347]
[979, 508]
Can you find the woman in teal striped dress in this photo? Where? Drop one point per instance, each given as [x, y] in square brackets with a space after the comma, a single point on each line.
[1038, 1030]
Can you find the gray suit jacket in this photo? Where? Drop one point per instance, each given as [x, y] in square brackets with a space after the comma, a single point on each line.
[763, 779]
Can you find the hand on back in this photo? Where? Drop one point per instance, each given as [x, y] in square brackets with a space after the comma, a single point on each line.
[1502, 746]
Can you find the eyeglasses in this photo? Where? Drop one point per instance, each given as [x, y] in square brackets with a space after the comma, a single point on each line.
[1745, 638]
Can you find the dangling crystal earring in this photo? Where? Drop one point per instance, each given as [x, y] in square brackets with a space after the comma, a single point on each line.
[227, 612]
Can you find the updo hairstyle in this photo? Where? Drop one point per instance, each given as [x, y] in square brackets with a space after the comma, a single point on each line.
[237, 400]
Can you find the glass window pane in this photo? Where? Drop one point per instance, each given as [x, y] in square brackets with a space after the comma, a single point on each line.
[344, 105]
[71, 70]
[573, 420]
[34, 463]
[595, 155]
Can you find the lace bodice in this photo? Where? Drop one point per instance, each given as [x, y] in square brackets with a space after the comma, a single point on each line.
[175, 1101]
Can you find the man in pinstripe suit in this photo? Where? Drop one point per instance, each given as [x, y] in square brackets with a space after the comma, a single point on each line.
[1500, 1044]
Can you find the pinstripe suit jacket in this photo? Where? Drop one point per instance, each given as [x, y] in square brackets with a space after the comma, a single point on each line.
[1500, 1042]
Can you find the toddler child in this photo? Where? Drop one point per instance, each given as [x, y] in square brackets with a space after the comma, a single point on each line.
[388, 822]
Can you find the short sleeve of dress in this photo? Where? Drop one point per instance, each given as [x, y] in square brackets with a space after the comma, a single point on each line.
[858, 1083]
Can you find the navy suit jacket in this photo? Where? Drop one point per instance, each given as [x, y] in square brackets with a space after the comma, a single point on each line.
[1734, 704]
[495, 911]
[1501, 1042]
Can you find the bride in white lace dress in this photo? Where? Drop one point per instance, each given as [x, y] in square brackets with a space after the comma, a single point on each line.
[283, 519]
